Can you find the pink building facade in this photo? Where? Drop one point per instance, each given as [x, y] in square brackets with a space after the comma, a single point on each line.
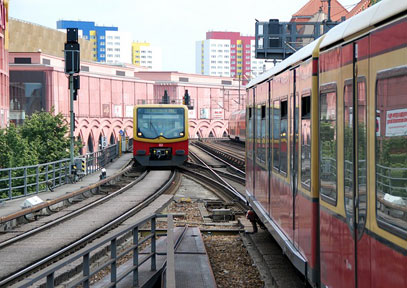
[108, 93]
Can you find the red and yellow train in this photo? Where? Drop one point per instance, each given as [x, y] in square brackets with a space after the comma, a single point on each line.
[326, 152]
[160, 135]
[237, 126]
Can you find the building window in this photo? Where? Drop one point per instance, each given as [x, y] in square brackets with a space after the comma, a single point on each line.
[102, 49]
[247, 45]
[102, 43]
[239, 46]
[117, 49]
[116, 43]
[117, 37]
[102, 37]
[109, 37]
[142, 51]
[233, 46]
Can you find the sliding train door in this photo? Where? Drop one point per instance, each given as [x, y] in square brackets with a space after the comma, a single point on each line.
[355, 159]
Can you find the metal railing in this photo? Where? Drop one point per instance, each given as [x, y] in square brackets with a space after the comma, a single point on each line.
[48, 274]
[99, 159]
[24, 181]
[28, 180]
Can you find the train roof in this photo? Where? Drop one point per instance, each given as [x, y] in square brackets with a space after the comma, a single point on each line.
[382, 10]
[377, 13]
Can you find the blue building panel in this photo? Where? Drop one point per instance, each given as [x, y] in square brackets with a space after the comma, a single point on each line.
[86, 27]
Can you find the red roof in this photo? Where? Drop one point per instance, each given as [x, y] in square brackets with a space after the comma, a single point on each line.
[362, 5]
[314, 6]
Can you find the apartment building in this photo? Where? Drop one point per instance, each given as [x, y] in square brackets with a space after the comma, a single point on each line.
[145, 55]
[228, 54]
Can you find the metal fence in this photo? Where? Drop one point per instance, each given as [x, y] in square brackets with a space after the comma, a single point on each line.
[48, 275]
[30, 180]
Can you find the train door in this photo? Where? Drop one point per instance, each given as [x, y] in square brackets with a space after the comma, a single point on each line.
[355, 164]
[294, 148]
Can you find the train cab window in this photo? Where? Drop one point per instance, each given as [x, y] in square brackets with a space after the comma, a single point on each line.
[328, 143]
[283, 136]
[306, 141]
[276, 135]
[391, 150]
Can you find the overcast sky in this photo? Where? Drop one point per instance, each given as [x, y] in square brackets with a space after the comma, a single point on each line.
[174, 25]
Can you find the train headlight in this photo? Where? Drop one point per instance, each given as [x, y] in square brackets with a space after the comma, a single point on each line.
[181, 134]
[139, 134]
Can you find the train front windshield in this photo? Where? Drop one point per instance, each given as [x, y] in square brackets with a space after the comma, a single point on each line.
[165, 122]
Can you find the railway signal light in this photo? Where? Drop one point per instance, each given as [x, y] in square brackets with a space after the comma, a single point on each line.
[187, 100]
[166, 98]
[72, 48]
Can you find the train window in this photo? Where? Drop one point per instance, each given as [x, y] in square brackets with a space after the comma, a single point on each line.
[263, 112]
[348, 148]
[249, 133]
[283, 136]
[276, 135]
[306, 141]
[328, 143]
[391, 150]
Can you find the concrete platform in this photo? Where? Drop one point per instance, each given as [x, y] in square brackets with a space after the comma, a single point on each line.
[10, 207]
[192, 267]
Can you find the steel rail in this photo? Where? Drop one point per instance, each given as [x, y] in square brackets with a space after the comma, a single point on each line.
[91, 235]
[223, 183]
[73, 213]
[220, 159]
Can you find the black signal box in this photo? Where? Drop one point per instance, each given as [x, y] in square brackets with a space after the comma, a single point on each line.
[72, 58]
[72, 35]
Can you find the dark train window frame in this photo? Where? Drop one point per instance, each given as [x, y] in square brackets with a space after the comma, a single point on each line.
[307, 116]
[276, 169]
[325, 89]
[286, 118]
[382, 223]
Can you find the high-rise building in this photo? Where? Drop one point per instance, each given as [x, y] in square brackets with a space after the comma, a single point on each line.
[89, 31]
[143, 54]
[118, 47]
[228, 54]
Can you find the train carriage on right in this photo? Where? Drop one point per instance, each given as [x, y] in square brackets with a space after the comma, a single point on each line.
[331, 185]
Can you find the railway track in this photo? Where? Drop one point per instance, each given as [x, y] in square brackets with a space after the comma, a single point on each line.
[234, 160]
[74, 231]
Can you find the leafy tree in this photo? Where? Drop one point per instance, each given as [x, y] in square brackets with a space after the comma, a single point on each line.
[48, 135]
[16, 151]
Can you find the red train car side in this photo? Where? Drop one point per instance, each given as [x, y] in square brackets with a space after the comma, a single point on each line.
[326, 152]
